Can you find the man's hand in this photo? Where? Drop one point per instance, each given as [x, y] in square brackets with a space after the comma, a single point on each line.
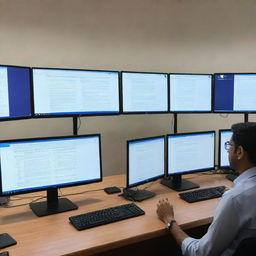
[165, 210]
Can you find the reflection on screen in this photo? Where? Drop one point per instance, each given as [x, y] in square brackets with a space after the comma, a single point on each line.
[235, 92]
[37, 164]
[145, 160]
[190, 152]
[224, 136]
[60, 92]
[144, 92]
[190, 92]
[14, 92]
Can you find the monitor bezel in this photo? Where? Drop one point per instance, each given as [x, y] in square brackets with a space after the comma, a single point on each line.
[192, 111]
[127, 161]
[36, 116]
[142, 112]
[190, 171]
[231, 111]
[30, 91]
[219, 148]
[44, 188]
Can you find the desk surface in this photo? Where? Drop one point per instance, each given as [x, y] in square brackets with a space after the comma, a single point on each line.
[53, 235]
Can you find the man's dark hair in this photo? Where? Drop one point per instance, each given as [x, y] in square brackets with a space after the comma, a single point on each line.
[244, 134]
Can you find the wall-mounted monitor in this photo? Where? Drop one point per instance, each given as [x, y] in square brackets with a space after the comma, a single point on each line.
[66, 92]
[29, 165]
[224, 135]
[15, 92]
[234, 92]
[190, 92]
[188, 153]
[144, 92]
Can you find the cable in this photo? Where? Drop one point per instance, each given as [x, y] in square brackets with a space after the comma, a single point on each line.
[79, 123]
[172, 123]
[224, 115]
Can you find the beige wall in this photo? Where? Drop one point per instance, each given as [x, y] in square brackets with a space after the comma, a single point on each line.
[141, 35]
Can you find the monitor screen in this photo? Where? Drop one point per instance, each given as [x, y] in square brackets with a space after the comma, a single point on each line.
[145, 160]
[190, 152]
[37, 164]
[224, 135]
[15, 92]
[63, 92]
[190, 92]
[144, 92]
[234, 92]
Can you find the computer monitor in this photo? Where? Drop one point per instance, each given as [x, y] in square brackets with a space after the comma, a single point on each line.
[224, 135]
[66, 92]
[190, 92]
[28, 165]
[145, 162]
[15, 93]
[144, 92]
[234, 92]
[188, 153]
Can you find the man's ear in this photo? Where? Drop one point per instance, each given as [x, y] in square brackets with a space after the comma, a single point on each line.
[240, 152]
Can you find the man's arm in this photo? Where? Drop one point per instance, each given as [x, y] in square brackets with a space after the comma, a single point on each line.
[166, 214]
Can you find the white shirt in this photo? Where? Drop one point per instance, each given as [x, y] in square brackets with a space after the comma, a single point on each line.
[234, 220]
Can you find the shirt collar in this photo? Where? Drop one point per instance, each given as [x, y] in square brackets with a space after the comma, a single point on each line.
[245, 175]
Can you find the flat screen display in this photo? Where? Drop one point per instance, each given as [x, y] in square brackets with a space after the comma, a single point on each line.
[224, 135]
[234, 92]
[191, 152]
[144, 92]
[75, 92]
[190, 92]
[37, 164]
[15, 92]
[145, 160]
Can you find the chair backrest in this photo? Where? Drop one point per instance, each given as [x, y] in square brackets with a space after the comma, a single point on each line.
[247, 247]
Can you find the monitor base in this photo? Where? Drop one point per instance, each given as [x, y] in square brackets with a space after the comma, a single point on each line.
[6, 240]
[4, 200]
[137, 195]
[181, 185]
[44, 208]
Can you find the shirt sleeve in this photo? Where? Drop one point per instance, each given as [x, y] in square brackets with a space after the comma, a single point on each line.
[220, 234]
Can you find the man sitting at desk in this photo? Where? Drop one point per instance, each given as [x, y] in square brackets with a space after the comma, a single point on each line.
[235, 216]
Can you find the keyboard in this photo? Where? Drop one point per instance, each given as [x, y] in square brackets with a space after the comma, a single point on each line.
[105, 216]
[202, 194]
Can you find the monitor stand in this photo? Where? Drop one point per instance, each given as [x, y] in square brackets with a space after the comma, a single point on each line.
[6, 240]
[137, 195]
[4, 200]
[176, 183]
[53, 204]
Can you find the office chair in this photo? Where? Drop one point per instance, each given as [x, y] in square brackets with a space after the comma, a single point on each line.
[247, 247]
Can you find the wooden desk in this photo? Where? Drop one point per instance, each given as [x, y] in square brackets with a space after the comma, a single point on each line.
[53, 235]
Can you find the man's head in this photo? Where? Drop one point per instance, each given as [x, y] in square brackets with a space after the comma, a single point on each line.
[242, 153]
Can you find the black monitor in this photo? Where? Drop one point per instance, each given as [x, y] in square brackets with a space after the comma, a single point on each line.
[66, 92]
[188, 153]
[28, 165]
[144, 92]
[234, 93]
[15, 92]
[190, 93]
[145, 163]
[224, 135]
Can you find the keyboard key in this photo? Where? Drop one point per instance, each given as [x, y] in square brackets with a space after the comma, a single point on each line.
[202, 194]
[105, 216]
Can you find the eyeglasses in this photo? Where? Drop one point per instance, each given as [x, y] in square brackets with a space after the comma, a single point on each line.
[228, 145]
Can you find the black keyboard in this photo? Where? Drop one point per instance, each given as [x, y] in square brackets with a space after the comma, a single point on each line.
[105, 216]
[202, 194]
